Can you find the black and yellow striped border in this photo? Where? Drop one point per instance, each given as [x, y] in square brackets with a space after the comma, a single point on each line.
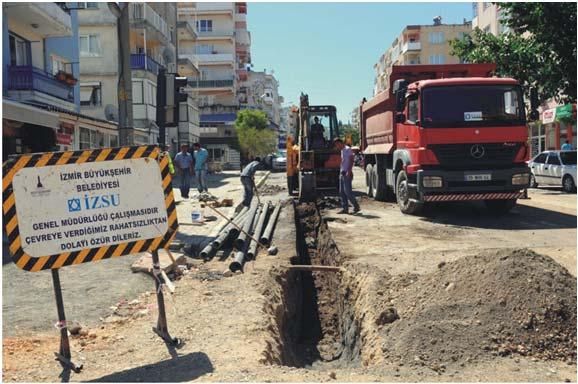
[34, 264]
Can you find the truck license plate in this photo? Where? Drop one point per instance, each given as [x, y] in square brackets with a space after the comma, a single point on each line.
[479, 177]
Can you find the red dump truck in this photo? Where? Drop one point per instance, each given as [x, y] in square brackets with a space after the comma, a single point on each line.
[446, 133]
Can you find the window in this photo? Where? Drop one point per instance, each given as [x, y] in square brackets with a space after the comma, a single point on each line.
[553, 159]
[205, 49]
[89, 45]
[568, 157]
[204, 25]
[437, 59]
[90, 95]
[436, 37]
[541, 159]
[88, 5]
[487, 5]
[412, 108]
[59, 64]
[84, 139]
[19, 50]
[113, 141]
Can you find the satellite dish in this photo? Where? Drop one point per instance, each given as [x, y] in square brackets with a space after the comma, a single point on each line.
[111, 113]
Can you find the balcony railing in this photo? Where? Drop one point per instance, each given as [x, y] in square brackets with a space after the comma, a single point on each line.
[142, 61]
[213, 58]
[195, 83]
[215, 34]
[411, 46]
[144, 13]
[28, 78]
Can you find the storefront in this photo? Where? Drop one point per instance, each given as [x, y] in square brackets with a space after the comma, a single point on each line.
[556, 126]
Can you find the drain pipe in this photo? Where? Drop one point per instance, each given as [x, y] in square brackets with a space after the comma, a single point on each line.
[221, 236]
[268, 234]
[230, 230]
[258, 229]
[246, 228]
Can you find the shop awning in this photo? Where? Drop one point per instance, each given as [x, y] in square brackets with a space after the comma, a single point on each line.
[16, 111]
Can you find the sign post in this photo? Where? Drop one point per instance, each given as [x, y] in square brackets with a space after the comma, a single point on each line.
[66, 208]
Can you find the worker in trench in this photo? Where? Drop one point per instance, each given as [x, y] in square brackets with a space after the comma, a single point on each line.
[346, 177]
[248, 180]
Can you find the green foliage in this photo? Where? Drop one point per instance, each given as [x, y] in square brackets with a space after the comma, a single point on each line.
[345, 129]
[539, 49]
[255, 138]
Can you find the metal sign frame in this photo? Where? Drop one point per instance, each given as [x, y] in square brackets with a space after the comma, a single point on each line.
[34, 264]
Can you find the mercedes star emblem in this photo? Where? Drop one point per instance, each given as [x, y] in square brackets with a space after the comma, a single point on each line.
[477, 151]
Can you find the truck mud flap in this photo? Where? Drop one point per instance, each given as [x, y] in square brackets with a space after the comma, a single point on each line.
[476, 196]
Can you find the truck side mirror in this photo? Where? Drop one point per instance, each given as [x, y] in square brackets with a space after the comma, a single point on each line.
[400, 118]
[400, 100]
[534, 103]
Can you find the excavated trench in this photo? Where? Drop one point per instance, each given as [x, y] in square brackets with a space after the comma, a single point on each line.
[312, 313]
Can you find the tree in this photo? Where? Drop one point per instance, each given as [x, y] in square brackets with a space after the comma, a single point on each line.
[539, 49]
[255, 137]
[348, 129]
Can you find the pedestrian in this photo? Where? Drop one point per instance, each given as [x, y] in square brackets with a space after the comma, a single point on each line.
[167, 153]
[346, 177]
[566, 146]
[184, 163]
[248, 180]
[201, 156]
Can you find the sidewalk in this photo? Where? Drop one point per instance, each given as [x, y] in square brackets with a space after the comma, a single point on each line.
[225, 185]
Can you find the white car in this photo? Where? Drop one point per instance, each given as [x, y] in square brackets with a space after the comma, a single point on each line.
[554, 168]
[280, 161]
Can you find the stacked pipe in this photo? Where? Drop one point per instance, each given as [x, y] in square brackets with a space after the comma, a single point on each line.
[268, 233]
[242, 243]
[223, 234]
[252, 251]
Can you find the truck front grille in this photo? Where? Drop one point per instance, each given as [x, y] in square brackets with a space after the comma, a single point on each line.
[475, 156]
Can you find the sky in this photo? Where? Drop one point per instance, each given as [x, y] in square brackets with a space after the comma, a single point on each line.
[328, 49]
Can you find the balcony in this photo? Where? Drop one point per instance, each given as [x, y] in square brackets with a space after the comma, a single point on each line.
[225, 83]
[214, 8]
[215, 35]
[46, 19]
[28, 78]
[214, 59]
[187, 30]
[142, 14]
[411, 46]
[242, 74]
[144, 62]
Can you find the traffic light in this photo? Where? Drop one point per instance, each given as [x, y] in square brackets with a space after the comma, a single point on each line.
[180, 96]
[170, 94]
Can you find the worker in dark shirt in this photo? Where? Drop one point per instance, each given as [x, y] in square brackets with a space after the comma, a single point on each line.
[248, 180]
[317, 130]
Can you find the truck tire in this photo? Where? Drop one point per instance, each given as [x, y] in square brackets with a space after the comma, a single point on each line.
[500, 207]
[402, 193]
[369, 180]
[568, 184]
[306, 187]
[381, 191]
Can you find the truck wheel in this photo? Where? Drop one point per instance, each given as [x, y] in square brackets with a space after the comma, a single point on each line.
[533, 183]
[406, 205]
[369, 180]
[568, 184]
[381, 191]
[306, 187]
[500, 207]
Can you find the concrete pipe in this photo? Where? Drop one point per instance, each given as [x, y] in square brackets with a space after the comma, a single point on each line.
[268, 233]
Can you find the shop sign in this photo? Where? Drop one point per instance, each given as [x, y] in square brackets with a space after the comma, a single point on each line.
[63, 138]
[549, 116]
[564, 112]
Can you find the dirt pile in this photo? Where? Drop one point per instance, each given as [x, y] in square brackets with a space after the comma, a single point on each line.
[495, 303]
[270, 189]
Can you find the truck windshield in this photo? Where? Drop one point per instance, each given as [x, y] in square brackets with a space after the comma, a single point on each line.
[472, 106]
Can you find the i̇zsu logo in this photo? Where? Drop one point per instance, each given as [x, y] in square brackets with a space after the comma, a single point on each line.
[87, 203]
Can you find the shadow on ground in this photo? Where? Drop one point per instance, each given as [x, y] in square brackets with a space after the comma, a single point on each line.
[183, 368]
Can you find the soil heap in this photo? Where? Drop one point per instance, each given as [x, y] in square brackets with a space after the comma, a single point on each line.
[495, 303]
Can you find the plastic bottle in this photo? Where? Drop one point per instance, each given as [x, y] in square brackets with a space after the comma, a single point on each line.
[196, 212]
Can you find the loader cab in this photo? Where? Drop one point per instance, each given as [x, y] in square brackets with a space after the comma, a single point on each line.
[323, 126]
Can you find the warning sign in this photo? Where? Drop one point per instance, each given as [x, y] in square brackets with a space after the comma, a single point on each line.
[73, 207]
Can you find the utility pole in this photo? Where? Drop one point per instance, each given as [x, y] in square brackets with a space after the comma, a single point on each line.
[125, 119]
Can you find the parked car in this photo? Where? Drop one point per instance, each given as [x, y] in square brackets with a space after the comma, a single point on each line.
[554, 168]
[280, 160]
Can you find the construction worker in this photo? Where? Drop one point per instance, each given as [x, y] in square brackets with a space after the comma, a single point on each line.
[346, 177]
[317, 130]
[167, 153]
[248, 180]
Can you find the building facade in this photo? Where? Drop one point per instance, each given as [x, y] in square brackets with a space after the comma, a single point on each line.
[153, 44]
[41, 91]
[419, 44]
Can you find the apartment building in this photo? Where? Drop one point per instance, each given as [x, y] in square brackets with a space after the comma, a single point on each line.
[557, 123]
[153, 44]
[261, 91]
[222, 52]
[41, 93]
[419, 44]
